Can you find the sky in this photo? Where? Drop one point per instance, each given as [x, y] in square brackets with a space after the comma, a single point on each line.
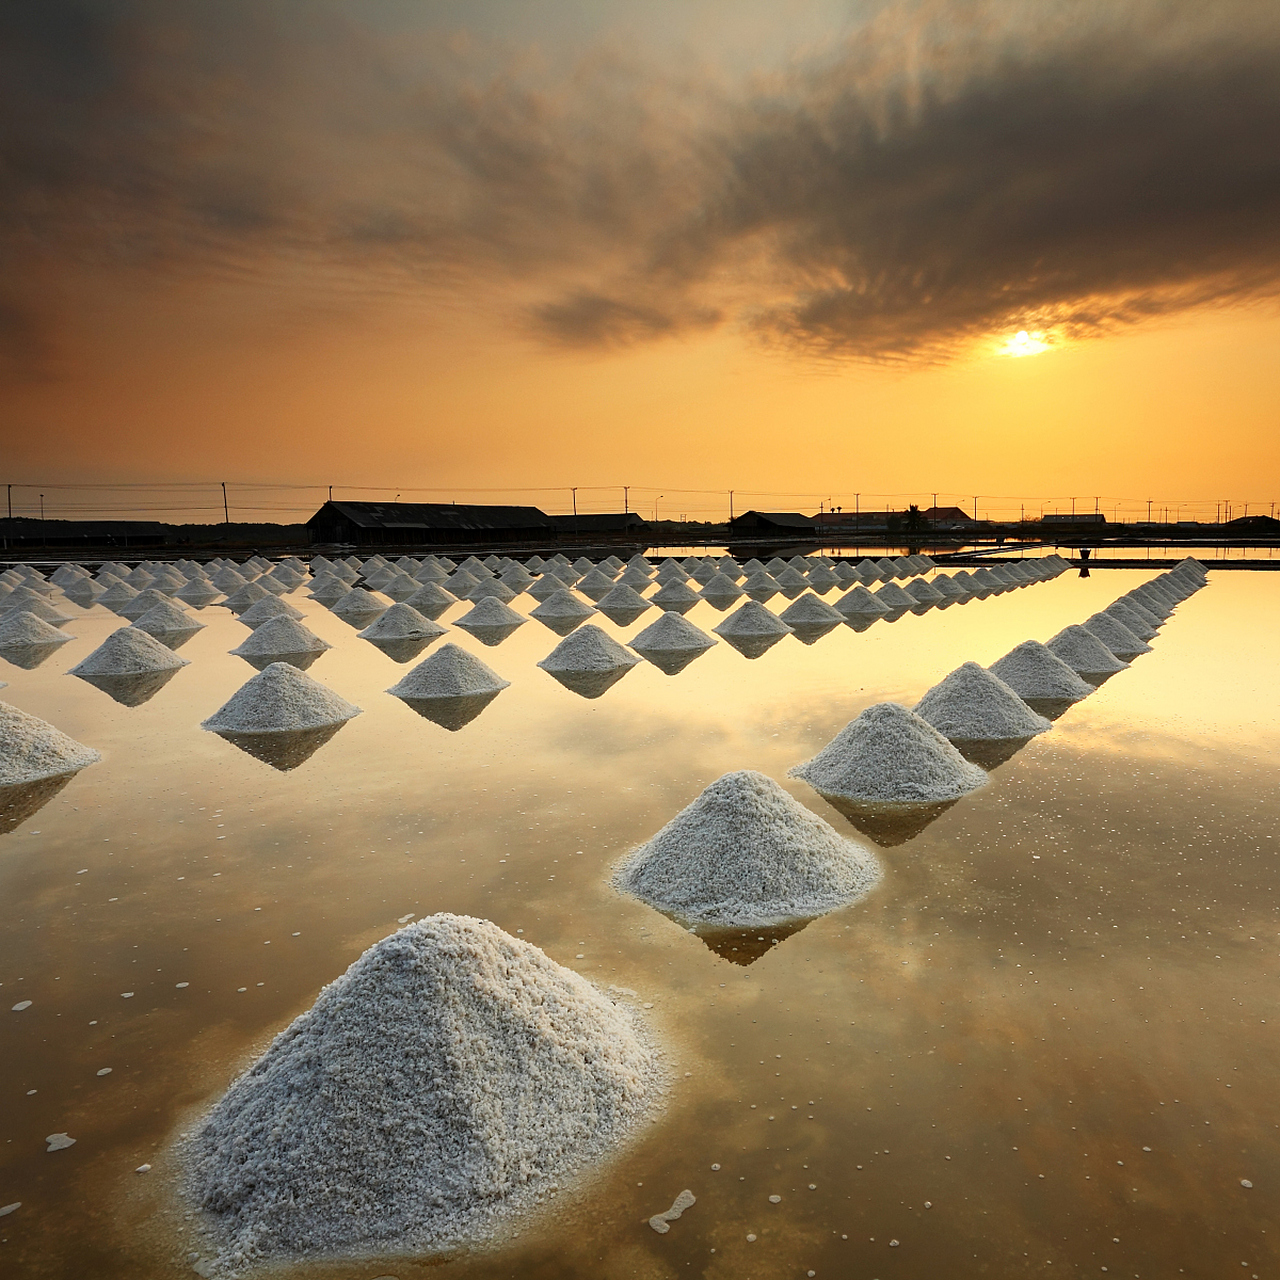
[1012, 254]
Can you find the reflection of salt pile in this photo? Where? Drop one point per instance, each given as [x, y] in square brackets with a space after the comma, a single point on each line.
[128, 652]
[280, 699]
[972, 704]
[746, 853]
[1033, 671]
[20, 629]
[889, 755]
[1084, 653]
[32, 749]
[448, 1079]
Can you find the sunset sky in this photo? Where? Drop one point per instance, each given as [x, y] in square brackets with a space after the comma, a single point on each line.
[489, 251]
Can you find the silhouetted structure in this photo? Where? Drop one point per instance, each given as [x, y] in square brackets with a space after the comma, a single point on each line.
[408, 523]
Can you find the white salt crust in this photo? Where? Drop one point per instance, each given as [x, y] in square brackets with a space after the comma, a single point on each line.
[280, 635]
[450, 672]
[588, 649]
[889, 755]
[973, 704]
[672, 633]
[128, 652]
[1033, 671]
[1084, 653]
[31, 749]
[746, 853]
[402, 622]
[21, 627]
[280, 699]
[450, 1078]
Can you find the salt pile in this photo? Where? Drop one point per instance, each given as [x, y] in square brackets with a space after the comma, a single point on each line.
[746, 853]
[972, 704]
[675, 595]
[450, 1078]
[596, 584]
[32, 750]
[922, 592]
[1115, 635]
[359, 607]
[562, 606]
[860, 603]
[623, 604]
[890, 755]
[752, 620]
[720, 586]
[809, 611]
[1084, 653]
[1140, 623]
[894, 599]
[198, 592]
[167, 619]
[240, 599]
[280, 699]
[128, 652]
[490, 614]
[588, 650]
[25, 600]
[431, 600]
[281, 639]
[450, 672]
[761, 586]
[490, 589]
[268, 608]
[1033, 671]
[672, 633]
[20, 627]
[402, 622]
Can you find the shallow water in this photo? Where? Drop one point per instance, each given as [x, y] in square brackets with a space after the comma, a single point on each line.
[1073, 965]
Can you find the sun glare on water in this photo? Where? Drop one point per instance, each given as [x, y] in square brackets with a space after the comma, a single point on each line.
[1025, 344]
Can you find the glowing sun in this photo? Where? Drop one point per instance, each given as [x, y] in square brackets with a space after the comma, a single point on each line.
[1025, 344]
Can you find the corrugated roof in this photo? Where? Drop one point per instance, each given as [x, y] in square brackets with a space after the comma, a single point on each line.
[435, 515]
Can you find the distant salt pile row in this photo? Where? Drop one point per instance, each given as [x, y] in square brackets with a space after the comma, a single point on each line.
[453, 1076]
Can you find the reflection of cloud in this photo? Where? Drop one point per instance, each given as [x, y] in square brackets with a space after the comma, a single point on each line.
[948, 171]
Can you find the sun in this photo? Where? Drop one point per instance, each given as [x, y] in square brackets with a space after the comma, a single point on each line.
[1025, 344]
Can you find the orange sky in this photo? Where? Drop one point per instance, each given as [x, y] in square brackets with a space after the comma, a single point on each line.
[505, 326]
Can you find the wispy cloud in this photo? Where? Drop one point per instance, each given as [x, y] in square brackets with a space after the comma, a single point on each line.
[947, 171]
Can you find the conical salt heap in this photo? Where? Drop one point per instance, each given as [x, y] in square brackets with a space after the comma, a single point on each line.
[144, 600]
[675, 595]
[488, 614]
[23, 599]
[894, 598]
[719, 586]
[761, 586]
[973, 705]
[488, 589]
[672, 633]
[267, 608]
[281, 639]
[128, 652]
[32, 750]
[358, 607]
[1115, 635]
[168, 619]
[809, 611]
[752, 620]
[923, 592]
[624, 604]
[596, 584]
[198, 592]
[1033, 671]
[402, 622]
[19, 628]
[562, 606]
[890, 756]
[860, 603]
[453, 1076]
[588, 650]
[280, 699]
[1084, 653]
[431, 600]
[746, 853]
[240, 599]
[1138, 621]
[450, 672]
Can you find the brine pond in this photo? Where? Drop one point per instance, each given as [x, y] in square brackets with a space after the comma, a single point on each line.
[1045, 1043]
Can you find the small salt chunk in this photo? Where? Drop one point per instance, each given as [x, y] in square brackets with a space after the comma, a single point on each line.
[402, 920]
[750, 1238]
[59, 1142]
[775, 1199]
[7, 1209]
[1244, 1182]
[126, 995]
[893, 1244]
[104, 1071]
[143, 1168]
[715, 1168]
[180, 985]
[22, 1004]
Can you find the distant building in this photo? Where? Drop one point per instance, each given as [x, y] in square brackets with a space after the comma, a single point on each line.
[415, 523]
[790, 522]
[616, 524]
[1083, 517]
[948, 517]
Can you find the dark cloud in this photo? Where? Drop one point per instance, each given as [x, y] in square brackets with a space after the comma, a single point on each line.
[948, 171]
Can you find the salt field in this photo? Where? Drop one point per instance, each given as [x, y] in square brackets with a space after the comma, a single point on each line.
[1029, 1026]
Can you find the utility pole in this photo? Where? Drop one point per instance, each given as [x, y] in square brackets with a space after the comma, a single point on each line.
[226, 511]
[975, 506]
[1148, 510]
[1073, 508]
[10, 502]
[857, 513]
[655, 506]
[626, 509]
[575, 511]
[1095, 505]
[730, 506]
[331, 493]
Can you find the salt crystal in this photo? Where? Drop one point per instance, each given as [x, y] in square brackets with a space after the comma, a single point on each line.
[59, 1142]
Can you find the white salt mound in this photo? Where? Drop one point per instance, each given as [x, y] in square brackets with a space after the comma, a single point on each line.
[588, 649]
[975, 705]
[752, 619]
[20, 627]
[490, 612]
[564, 606]
[1032, 671]
[672, 633]
[449, 1078]
[167, 618]
[267, 608]
[402, 622]
[1084, 653]
[280, 635]
[358, 603]
[859, 602]
[278, 700]
[809, 611]
[1116, 636]
[889, 755]
[450, 672]
[128, 652]
[32, 749]
[746, 853]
